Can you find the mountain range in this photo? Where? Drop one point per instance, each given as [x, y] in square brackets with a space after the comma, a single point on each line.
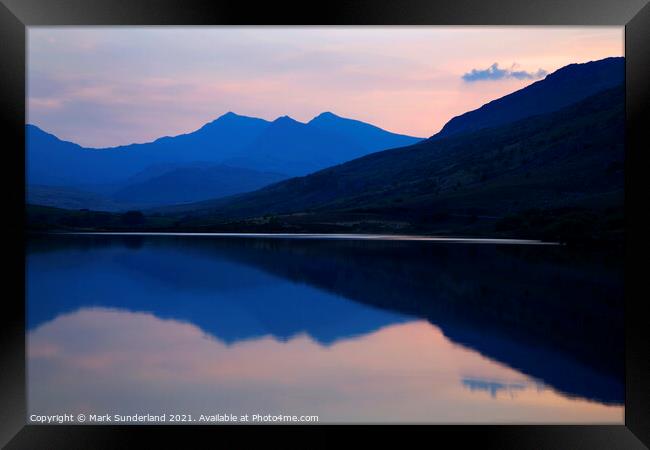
[231, 154]
[569, 158]
[555, 146]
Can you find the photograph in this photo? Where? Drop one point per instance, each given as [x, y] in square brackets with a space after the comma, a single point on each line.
[325, 225]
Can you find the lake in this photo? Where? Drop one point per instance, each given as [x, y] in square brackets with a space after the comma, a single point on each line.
[351, 330]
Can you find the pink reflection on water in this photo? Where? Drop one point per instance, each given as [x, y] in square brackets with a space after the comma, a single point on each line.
[112, 361]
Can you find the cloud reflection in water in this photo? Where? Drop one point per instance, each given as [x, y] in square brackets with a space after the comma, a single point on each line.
[106, 360]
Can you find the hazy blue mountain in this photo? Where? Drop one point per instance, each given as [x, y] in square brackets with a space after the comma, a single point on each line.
[282, 146]
[159, 185]
[363, 134]
[226, 136]
[556, 175]
[156, 170]
[299, 148]
[190, 184]
[52, 161]
[69, 198]
[561, 88]
[191, 167]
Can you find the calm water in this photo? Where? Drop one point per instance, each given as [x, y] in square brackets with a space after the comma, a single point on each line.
[351, 331]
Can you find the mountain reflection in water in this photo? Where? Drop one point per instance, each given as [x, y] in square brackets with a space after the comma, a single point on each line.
[351, 330]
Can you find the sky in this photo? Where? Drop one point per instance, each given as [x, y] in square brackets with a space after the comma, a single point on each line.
[109, 86]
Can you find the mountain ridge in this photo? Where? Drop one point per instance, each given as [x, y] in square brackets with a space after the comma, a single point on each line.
[561, 88]
[568, 158]
[183, 184]
[549, 173]
[51, 160]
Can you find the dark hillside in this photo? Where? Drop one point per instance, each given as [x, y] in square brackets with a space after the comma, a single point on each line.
[560, 161]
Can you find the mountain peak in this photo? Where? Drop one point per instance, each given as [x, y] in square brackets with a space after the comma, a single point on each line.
[234, 116]
[228, 115]
[285, 120]
[231, 119]
[222, 118]
[326, 116]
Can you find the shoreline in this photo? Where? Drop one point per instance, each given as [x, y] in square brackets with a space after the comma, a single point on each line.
[323, 236]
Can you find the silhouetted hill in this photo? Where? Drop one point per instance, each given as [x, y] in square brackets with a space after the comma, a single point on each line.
[69, 198]
[577, 151]
[556, 175]
[571, 158]
[65, 174]
[363, 134]
[282, 146]
[224, 137]
[289, 146]
[296, 148]
[186, 184]
[563, 87]
[51, 161]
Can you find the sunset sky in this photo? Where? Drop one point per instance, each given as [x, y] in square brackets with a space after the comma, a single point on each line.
[106, 86]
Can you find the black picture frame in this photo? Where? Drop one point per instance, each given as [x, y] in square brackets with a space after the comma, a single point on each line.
[16, 15]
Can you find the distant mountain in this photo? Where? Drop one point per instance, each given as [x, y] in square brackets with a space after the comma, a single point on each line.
[563, 87]
[52, 161]
[569, 158]
[191, 184]
[159, 185]
[298, 148]
[192, 167]
[69, 198]
[282, 146]
[366, 136]
[550, 156]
